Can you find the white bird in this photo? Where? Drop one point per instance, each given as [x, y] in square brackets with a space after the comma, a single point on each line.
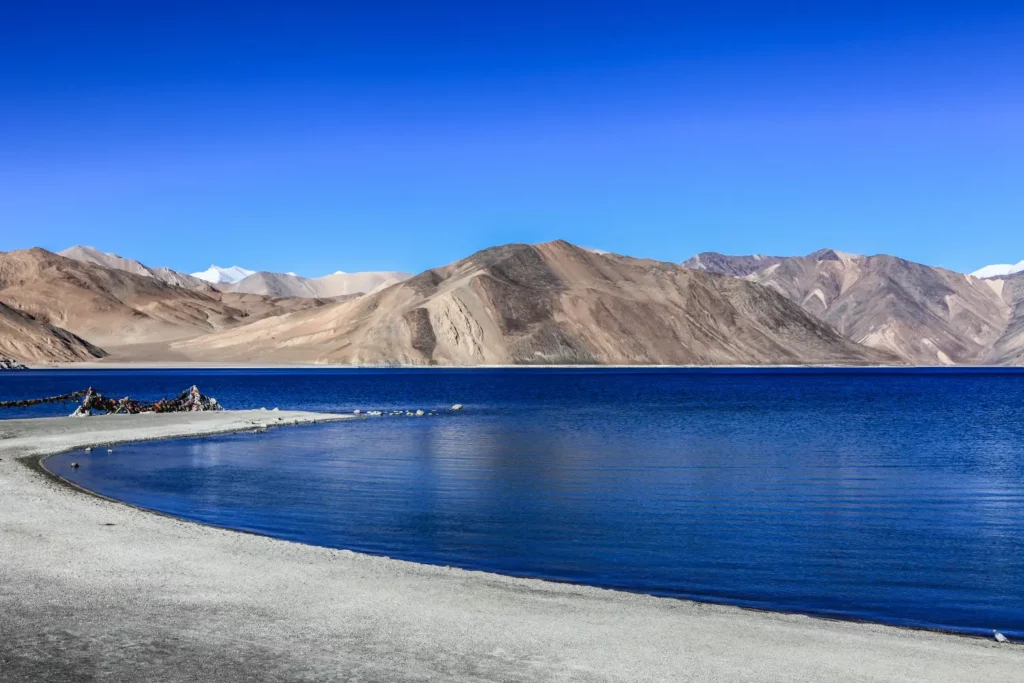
[1000, 638]
[110, 450]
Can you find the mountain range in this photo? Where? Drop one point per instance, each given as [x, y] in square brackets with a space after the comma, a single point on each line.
[327, 287]
[61, 309]
[551, 303]
[923, 314]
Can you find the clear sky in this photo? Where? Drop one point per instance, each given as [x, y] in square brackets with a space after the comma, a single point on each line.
[313, 137]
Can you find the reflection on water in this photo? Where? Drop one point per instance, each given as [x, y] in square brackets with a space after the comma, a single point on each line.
[894, 497]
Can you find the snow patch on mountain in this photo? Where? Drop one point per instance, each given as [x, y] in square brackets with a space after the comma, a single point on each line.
[224, 276]
[999, 270]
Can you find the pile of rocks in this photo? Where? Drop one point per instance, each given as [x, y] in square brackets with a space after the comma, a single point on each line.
[10, 364]
[190, 400]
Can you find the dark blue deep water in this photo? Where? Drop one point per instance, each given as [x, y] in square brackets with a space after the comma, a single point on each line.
[890, 496]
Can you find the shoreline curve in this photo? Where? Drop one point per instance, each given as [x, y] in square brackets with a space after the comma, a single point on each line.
[600, 633]
[37, 463]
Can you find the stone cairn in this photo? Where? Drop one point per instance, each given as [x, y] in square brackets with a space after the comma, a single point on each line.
[190, 400]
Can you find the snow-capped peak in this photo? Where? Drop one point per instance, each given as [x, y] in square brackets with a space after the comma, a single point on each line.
[223, 276]
[999, 269]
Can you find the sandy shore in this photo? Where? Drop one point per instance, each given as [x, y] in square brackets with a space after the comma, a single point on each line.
[96, 590]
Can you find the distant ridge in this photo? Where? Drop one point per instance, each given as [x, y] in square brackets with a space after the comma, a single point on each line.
[245, 281]
[326, 287]
[743, 266]
[735, 266]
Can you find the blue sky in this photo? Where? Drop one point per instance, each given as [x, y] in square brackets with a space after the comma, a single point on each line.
[312, 137]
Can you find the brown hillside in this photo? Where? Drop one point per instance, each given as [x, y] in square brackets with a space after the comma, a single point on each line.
[549, 303]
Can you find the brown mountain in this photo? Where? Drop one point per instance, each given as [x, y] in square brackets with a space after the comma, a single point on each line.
[924, 314]
[113, 308]
[24, 338]
[549, 303]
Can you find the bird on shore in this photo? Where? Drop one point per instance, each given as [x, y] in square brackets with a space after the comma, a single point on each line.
[1000, 638]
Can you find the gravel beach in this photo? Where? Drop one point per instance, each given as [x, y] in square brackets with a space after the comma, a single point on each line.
[94, 590]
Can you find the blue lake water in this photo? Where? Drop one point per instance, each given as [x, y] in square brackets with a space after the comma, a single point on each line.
[895, 496]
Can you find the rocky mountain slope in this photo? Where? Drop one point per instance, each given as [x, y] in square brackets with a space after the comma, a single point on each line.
[925, 315]
[1008, 349]
[111, 307]
[28, 340]
[550, 303]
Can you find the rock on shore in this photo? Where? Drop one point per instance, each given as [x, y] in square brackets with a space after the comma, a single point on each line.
[11, 364]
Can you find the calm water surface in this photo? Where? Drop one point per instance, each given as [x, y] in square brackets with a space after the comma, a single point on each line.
[896, 497]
